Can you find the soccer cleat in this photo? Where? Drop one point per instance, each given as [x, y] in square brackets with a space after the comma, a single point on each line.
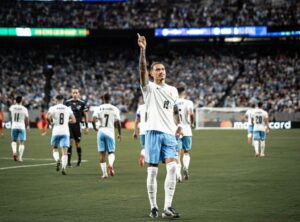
[257, 155]
[104, 177]
[57, 165]
[78, 163]
[186, 173]
[111, 170]
[142, 161]
[179, 178]
[170, 212]
[20, 160]
[15, 157]
[63, 172]
[153, 212]
[262, 155]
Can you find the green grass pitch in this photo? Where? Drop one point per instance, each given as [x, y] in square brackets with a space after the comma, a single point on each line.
[227, 182]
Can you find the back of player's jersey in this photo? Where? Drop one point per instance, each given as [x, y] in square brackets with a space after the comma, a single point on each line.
[107, 114]
[60, 115]
[18, 114]
[184, 106]
[259, 116]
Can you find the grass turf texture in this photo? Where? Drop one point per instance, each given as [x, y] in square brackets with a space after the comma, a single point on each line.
[227, 182]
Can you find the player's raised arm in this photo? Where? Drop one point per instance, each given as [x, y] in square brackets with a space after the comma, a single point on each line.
[143, 64]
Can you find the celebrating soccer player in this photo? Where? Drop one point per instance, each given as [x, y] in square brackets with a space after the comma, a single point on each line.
[161, 130]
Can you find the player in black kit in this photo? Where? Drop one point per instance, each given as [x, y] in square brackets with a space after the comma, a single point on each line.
[80, 111]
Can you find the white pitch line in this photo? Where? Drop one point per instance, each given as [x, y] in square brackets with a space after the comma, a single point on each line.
[33, 165]
[10, 158]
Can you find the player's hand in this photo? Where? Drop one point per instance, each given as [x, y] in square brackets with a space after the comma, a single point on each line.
[179, 133]
[135, 135]
[86, 130]
[267, 130]
[119, 138]
[142, 41]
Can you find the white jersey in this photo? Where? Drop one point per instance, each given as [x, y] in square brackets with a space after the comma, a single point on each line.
[259, 116]
[249, 116]
[18, 114]
[141, 113]
[60, 115]
[184, 106]
[160, 102]
[107, 114]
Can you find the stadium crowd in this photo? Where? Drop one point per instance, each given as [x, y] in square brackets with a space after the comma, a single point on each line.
[156, 13]
[213, 78]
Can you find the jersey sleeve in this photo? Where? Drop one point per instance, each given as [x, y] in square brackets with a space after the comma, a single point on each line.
[95, 113]
[26, 112]
[147, 88]
[70, 111]
[117, 114]
[85, 107]
[50, 111]
[190, 105]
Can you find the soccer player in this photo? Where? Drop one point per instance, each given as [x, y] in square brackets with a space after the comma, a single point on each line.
[247, 116]
[20, 122]
[80, 111]
[139, 123]
[108, 117]
[161, 131]
[260, 127]
[60, 116]
[186, 114]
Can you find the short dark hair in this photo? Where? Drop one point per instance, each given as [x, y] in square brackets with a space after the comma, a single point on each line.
[59, 97]
[19, 99]
[180, 89]
[106, 97]
[259, 104]
[153, 64]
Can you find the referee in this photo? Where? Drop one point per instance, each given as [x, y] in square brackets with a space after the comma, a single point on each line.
[80, 111]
